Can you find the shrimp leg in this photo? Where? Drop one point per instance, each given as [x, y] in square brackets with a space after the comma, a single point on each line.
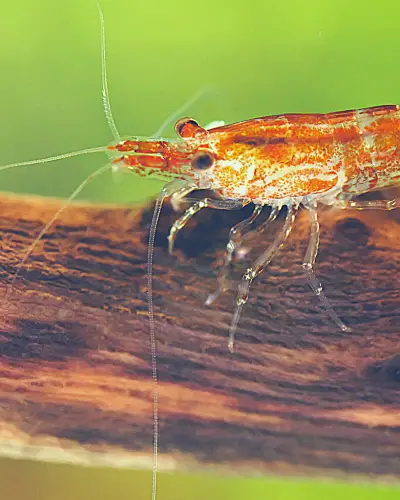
[374, 204]
[308, 267]
[179, 195]
[258, 266]
[194, 209]
[235, 239]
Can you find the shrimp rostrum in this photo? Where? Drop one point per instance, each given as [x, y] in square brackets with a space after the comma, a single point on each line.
[292, 161]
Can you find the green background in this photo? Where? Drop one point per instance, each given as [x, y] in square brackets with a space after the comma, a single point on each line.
[260, 57]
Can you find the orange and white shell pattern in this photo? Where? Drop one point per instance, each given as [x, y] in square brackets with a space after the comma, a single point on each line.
[294, 156]
[279, 159]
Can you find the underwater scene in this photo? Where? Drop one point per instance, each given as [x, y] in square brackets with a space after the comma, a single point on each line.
[200, 228]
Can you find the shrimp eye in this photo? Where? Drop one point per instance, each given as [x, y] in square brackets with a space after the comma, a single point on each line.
[203, 160]
[185, 127]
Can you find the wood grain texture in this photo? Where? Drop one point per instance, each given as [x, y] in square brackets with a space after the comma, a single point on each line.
[298, 396]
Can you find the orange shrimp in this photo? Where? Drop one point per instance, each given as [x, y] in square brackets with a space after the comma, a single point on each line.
[288, 160]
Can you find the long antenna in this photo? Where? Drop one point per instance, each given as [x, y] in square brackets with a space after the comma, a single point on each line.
[100, 149]
[153, 346]
[74, 194]
[179, 112]
[104, 86]
[150, 252]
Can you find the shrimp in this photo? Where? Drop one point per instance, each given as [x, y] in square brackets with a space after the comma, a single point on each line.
[292, 161]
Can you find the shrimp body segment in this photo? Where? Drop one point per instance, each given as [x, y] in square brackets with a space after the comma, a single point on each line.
[283, 158]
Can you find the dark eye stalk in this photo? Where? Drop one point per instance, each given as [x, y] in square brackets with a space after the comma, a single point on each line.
[203, 160]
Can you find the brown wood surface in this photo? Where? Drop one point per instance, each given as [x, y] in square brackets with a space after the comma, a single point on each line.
[298, 395]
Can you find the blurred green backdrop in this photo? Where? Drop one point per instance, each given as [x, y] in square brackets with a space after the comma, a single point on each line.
[261, 57]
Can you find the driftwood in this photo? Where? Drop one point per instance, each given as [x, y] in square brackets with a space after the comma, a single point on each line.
[298, 396]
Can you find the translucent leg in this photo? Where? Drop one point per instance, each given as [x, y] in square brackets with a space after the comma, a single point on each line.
[308, 268]
[177, 186]
[182, 221]
[194, 209]
[374, 204]
[235, 239]
[177, 197]
[259, 265]
[271, 217]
